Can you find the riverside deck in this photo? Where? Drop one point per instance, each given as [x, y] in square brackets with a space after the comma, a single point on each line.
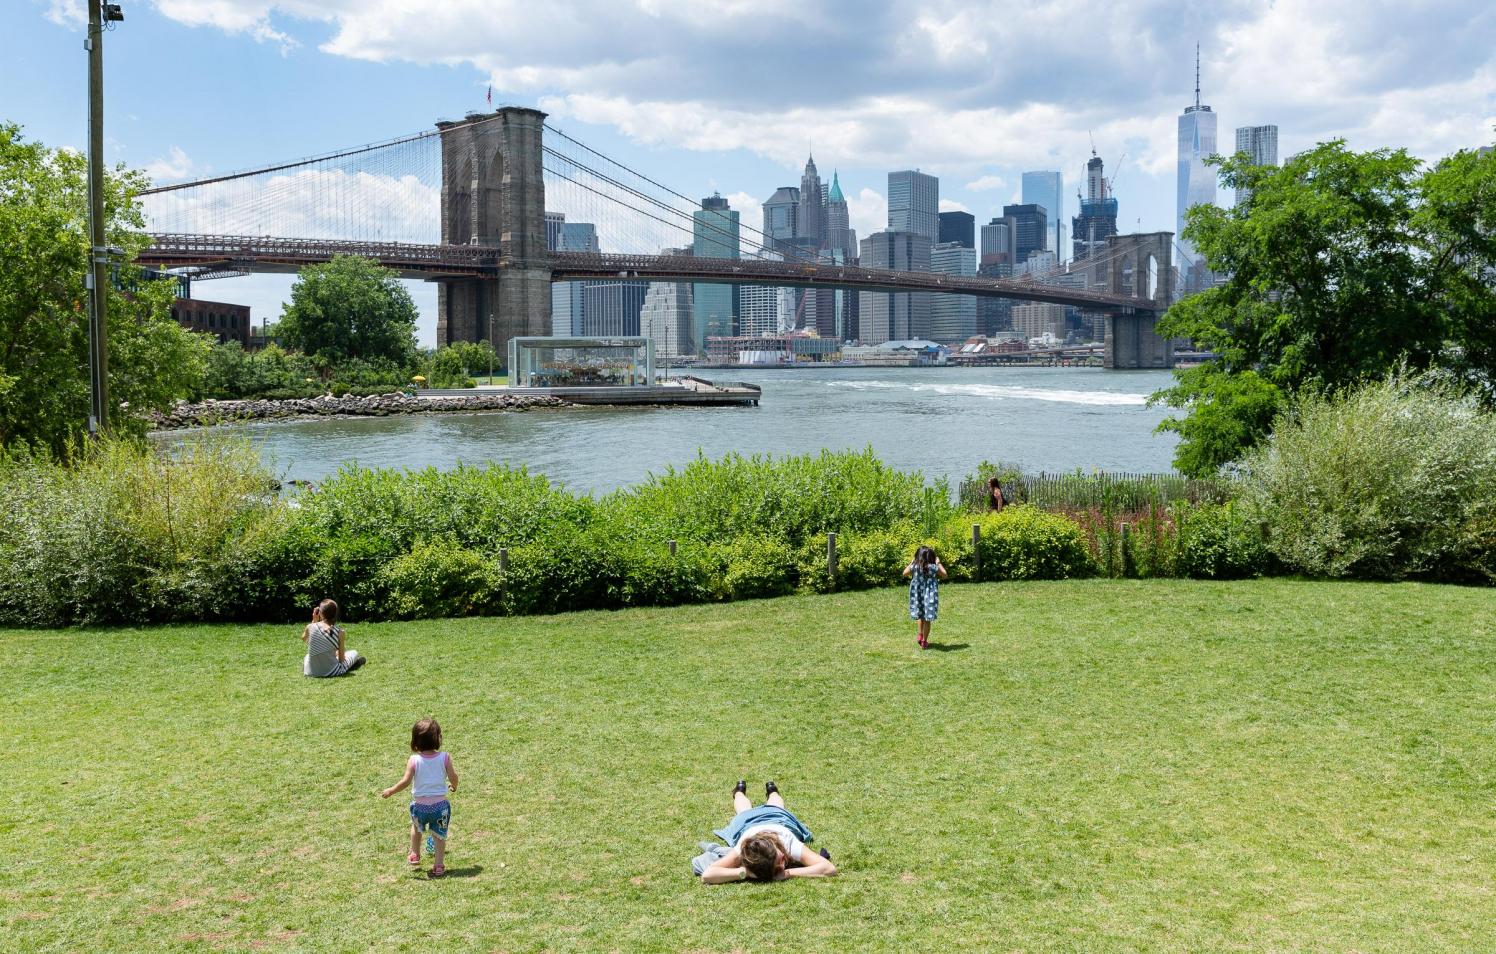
[686, 391]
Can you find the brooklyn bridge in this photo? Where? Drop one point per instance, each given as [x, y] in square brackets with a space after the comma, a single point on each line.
[465, 205]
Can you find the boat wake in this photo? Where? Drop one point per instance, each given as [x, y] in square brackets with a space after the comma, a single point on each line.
[1004, 392]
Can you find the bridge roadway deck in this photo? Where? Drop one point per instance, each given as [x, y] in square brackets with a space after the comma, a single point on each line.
[435, 262]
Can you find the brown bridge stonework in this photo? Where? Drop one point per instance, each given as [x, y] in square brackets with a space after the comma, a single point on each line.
[493, 196]
[1140, 266]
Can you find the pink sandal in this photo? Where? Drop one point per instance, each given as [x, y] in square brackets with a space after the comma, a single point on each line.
[437, 871]
[414, 858]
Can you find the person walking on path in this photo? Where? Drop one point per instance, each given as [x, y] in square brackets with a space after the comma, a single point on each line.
[924, 573]
[431, 773]
[766, 843]
[326, 653]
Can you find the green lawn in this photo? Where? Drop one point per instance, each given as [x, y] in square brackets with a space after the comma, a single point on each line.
[1087, 766]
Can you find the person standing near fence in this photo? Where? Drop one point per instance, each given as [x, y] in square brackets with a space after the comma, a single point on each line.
[996, 499]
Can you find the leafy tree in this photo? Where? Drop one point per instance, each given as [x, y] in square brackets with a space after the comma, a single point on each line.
[1343, 266]
[455, 365]
[43, 307]
[348, 308]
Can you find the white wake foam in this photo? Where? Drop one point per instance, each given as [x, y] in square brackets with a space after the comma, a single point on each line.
[1004, 392]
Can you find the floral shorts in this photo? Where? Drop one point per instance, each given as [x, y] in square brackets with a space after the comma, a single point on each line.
[433, 818]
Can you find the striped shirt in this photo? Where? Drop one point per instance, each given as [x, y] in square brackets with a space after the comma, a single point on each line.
[322, 650]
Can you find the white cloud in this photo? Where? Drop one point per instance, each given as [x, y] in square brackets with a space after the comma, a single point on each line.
[67, 13]
[954, 86]
[172, 167]
[249, 17]
[867, 212]
[970, 90]
[951, 205]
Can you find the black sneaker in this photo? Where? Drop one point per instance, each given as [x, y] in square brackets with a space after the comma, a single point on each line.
[358, 663]
[770, 788]
[825, 854]
[741, 788]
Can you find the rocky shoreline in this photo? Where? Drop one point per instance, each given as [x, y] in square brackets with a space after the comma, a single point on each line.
[207, 413]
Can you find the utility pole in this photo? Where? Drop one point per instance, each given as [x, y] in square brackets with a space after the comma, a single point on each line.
[98, 253]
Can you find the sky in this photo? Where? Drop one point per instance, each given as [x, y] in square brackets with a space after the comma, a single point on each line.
[732, 95]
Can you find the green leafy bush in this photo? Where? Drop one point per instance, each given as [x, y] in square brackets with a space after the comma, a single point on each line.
[1025, 543]
[439, 578]
[291, 393]
[1393, 480]
[1219, 542]
[794, 498]
[557, 575]
[482, 508]
[753, 566]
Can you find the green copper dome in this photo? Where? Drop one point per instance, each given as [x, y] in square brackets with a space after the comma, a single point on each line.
[835, 195]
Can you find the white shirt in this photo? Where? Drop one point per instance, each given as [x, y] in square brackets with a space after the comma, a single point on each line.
[431, 775]
[793, 846]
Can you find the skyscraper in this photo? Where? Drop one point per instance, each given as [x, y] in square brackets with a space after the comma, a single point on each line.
[1098, 216]
[914, 204]
[666, 315]
[839, 233]
[894, 316]
[715, 233]
[1197, 182]
[1261, 143]
[811, 219]
[953, 318]
[1045, 188]
[1028, 229]
[612, 307]
[958, 227]
[553, 224]
[781, 213]
[766, 310]
[568, 302]
[997, 242]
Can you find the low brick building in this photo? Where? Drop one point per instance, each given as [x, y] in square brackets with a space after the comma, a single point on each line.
[228, 322]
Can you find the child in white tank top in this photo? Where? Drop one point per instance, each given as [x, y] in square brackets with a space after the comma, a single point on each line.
[430, 772]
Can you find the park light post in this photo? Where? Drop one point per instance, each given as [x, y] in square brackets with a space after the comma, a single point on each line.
[96, 281]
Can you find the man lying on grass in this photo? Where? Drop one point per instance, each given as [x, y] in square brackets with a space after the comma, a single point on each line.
[766, 843]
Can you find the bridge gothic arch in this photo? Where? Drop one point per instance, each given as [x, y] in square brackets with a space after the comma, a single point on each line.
[1142, 269]
[493, 195]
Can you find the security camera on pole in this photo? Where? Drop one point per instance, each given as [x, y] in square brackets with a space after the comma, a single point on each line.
[96, 281]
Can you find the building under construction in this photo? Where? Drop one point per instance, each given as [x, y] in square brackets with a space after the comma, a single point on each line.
[1097, 220]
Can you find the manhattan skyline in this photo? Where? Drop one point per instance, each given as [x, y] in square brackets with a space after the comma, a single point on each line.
[976, 94]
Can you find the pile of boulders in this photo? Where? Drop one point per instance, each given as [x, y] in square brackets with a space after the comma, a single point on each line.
[205, 413]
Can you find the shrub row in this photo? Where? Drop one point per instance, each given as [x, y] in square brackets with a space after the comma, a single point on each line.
[1397, 480]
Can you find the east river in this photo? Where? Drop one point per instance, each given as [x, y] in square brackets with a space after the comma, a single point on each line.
[942, 421]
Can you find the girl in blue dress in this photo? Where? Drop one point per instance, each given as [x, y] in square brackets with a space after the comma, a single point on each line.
[924, 573]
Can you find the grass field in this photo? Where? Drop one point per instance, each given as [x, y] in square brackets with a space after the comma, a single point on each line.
[1079, 766]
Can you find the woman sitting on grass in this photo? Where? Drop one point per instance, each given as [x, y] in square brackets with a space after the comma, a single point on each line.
[326, 654]
[766, 843]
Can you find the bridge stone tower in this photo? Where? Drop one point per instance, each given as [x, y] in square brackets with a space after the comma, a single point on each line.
[493, 194]
[1139, 266]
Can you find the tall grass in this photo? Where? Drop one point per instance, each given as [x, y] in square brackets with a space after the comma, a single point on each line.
[114, 532]
[1113, 493]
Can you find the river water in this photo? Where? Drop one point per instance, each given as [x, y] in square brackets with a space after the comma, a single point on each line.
[942, 421]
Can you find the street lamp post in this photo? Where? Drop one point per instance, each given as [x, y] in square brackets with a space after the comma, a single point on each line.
[96, 281]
